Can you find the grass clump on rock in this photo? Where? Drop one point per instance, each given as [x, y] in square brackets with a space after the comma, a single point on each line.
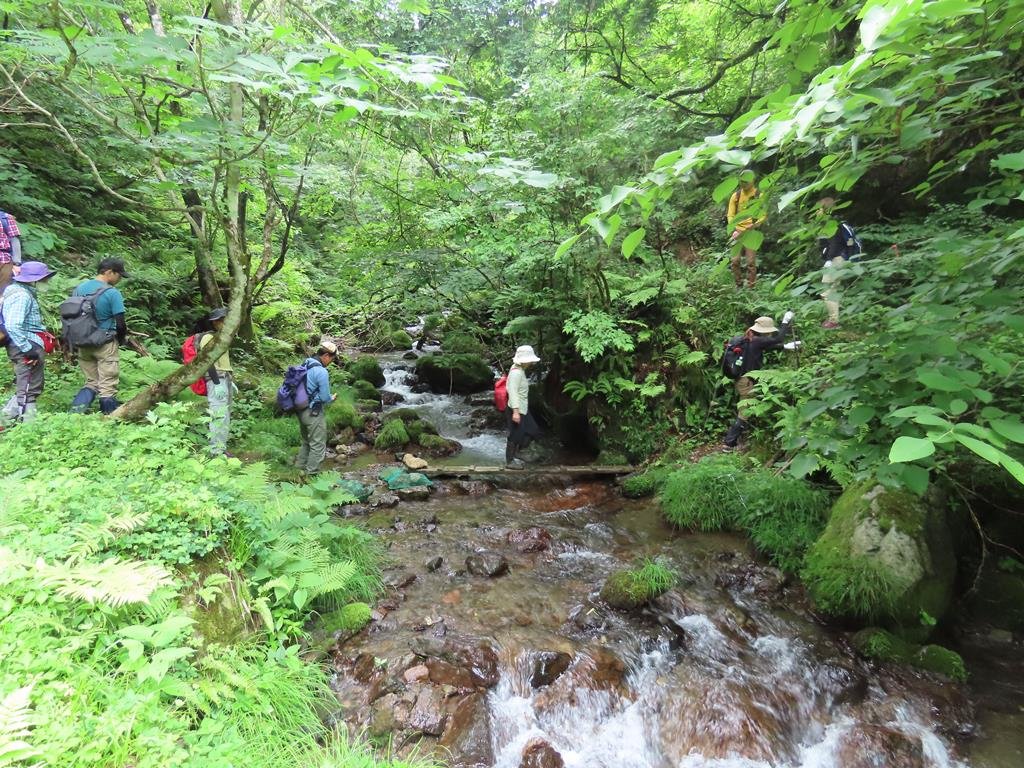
[634, 587]
[364, 390]
[782, 515]
[351, 618]
[392, 435]
[644, 484]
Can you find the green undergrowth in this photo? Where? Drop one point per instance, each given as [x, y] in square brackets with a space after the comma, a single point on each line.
[782, 515]
[153, 600]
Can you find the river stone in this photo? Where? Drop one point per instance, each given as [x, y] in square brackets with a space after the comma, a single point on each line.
[547, 666]
[416, 673]
[539, 754]
[468, 733]
[533, 539]
[900, 541]
[428, 714]
[414, 462]
[391, 398]
[489, 564]
[434, 563]
[459, 373]
[877, 746]
[416, 493]
[387, 714]
[473, 487]
[443, 673]
[481, 661]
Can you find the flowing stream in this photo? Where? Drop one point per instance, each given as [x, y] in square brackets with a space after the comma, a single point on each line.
[727, 670]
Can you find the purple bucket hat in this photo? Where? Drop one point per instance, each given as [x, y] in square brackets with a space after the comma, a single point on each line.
[33, 272]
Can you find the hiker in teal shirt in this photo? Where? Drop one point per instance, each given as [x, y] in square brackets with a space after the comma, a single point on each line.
[101, 364]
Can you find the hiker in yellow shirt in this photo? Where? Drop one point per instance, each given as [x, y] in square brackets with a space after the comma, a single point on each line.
[744, 199]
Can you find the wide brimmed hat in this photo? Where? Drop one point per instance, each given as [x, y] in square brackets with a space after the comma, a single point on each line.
[218, 314]
[329, 347]
[33, 272]
[525, 354]
[764, 325]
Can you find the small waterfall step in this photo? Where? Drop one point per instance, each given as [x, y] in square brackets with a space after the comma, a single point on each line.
[581, 470]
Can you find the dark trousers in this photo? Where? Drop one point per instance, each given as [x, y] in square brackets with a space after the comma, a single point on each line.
[519, 435]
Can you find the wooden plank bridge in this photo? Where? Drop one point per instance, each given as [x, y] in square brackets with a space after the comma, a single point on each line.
[581, 470]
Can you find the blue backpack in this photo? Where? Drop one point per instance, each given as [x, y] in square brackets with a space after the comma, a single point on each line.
[292, 395]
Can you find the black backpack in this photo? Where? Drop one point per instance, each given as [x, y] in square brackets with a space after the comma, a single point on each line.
[733, 356]
[78, 322]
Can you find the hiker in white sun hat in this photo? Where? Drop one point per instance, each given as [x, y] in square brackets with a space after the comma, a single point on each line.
[522, 428]
[746, 353]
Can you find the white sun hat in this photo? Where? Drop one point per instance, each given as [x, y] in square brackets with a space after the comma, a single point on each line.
[525, 354]
[764, 325]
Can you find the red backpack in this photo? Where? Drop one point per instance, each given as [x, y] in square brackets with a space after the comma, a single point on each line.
[189, 350]
[501, 393]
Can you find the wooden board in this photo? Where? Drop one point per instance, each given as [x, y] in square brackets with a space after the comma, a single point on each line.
[582, 470]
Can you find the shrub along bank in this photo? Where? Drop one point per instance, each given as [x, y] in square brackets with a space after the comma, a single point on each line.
[152, 600]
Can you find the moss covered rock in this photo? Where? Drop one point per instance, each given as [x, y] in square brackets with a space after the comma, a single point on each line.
[400, 340]
[392, 436]
[364, 390]
[885, 556]
[642, 485]
[341, 414]
[881, 645]
[632, 588]
[352, 618]
[366, 368]
[460, 373]
[435, 445]
[419, 427]
[369, 406]
[404, 414]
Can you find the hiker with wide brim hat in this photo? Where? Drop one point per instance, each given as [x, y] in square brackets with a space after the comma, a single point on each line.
[759, 337]
[522, 428]
[23, 331]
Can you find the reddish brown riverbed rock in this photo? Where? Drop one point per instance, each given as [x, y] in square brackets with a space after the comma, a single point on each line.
[539, 754]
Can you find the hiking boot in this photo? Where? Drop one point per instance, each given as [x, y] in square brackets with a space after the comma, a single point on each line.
[108, 405]
[83, 400]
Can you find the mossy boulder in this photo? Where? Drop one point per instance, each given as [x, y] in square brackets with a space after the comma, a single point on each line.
[369, 405]
[880, 645]
[884, 556]
[341, 414]
[459, 373]
[364, 390]
[366, 368]
[417, 428]
[348, 620]
[404, 414]
[632, 588]
[399, 339]
[435, 445]
[392, 436]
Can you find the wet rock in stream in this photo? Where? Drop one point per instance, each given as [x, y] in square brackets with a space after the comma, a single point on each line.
[878, 746]
[468, 733]
[547, 666]
[539, 754]
[489, 564]
[473, 487]
[527, 540]
[433, 563]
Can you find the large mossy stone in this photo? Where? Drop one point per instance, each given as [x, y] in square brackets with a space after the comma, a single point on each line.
[366, 368]
[629, 589]
[885, 556]
[880, 645]
[462, 374]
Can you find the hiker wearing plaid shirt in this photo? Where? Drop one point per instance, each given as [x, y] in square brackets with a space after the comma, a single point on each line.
[10, 249]
[23, 320]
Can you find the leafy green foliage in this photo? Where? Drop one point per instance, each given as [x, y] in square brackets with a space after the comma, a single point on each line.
[137, 680]
[392, 435]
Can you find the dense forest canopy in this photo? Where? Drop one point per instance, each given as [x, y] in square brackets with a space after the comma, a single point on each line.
[486, 174]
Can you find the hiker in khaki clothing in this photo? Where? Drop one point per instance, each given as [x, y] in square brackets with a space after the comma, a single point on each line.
[102, 364]
[744, 200]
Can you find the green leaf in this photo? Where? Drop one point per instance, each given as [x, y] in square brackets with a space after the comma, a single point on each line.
[631, 241]
[752, 239]
[724, 189]
[986, 451]
[957, 406]
[860, 415]
[910, 449]
[915, 478]
[803, 464]
[935, 380]
[613, 198]
[1014, 467]
[566, 245]
[1011, 430]
[300, 597]
[540, 180]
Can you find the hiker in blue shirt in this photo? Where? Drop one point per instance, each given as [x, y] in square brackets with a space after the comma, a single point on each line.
[102, 364]
[312, 420]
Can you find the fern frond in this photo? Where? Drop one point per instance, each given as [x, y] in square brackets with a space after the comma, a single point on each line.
[15, 723]
[90, 538]
[332, 578]
[114, 582]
